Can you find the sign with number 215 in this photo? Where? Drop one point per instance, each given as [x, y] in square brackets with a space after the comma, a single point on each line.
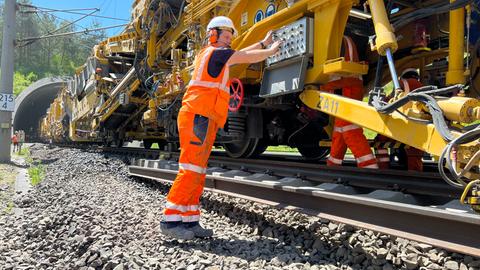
[7, 102]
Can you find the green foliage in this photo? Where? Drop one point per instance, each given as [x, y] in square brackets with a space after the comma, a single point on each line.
[24, 152]
[8, 175]
[57, 56]
[369, 134]
[35, 171]
[36, 174]
[22, 81]
[281, 148]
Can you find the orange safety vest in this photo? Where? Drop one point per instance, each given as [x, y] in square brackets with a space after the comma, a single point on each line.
[206, 95]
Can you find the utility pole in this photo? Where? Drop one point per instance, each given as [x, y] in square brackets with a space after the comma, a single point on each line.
[7, 100]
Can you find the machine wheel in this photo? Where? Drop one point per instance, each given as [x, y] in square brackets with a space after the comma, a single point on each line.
[161, 144]
[147, 144]
[307, 139]
[118, 142]
[242, 149]
[261, 147]
[313, 152]
[237, 123]
[118, 139]
[401, 157]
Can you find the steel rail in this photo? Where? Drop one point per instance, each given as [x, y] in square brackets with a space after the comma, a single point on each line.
[419, 183]
[410, 182]
[451, 230]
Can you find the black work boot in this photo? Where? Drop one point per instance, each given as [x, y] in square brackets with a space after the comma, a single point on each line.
[176, 230]
[198, 230]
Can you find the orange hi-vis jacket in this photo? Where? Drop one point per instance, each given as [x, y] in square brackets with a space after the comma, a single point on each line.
[205, 95]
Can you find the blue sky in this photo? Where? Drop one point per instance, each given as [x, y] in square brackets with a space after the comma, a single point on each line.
[110, 8]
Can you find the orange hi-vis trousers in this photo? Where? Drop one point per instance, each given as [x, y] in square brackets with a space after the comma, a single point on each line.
[197, 135]
[346, 134]
[413, 155]
[383, 158]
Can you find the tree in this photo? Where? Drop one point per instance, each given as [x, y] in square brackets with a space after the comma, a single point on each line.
[21, 81]
[50, 56]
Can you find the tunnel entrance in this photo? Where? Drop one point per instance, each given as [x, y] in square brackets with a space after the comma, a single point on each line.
[32, 104]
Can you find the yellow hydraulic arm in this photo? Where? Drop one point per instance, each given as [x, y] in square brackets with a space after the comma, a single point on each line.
[416, 134]
[394, 125]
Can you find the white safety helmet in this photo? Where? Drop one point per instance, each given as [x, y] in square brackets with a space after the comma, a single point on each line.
[222, 22]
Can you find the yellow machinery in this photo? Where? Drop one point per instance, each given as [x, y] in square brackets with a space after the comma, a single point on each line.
[54, 126]
[132, 85]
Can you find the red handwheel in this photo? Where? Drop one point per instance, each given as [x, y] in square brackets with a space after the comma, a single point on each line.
[236, 95]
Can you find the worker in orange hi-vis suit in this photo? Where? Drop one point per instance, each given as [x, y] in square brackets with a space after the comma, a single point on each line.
[409, 81]
[381, 152]
[204, 110]
[345, 134]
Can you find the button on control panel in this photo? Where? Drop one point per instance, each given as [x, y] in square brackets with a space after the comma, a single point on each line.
[297, 40]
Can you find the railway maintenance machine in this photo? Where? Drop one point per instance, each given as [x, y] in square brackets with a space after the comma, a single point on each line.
[132, 84]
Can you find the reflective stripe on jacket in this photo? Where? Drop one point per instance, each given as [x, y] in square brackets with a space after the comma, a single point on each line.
[206, 95]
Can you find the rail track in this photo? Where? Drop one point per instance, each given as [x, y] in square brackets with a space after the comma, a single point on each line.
[415, 206]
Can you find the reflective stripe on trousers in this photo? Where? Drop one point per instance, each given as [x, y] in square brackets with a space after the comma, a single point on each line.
[192, 167]
[181, 208]
[371, 166]
[171, 218]
[381, 153]
[335, 160]
[183, 198]
[365, 158]
[346, 128]
[348, 135]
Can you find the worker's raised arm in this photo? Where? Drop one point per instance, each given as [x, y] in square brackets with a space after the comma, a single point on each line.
[253, 56]
[262, 44]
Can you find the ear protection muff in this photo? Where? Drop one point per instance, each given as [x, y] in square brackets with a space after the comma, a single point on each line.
[213, 36]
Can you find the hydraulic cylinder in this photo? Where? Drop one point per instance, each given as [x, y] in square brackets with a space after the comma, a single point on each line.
[456, 73]
[385, 38]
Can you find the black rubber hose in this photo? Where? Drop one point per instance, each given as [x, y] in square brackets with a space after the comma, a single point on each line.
[424, 97]
[445, 156]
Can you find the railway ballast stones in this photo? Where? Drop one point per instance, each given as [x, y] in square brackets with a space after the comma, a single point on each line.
[88, 214]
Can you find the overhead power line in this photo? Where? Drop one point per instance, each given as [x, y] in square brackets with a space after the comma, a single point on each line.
[86, 31]
[69, 23]
[73, 22]
[47, 10]
[35, 9]
[65, 20]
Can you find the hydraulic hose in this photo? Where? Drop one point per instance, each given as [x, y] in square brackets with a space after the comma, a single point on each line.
[423, 95]
[467, 137]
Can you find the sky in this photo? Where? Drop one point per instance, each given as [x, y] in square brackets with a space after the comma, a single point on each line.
[110, 8]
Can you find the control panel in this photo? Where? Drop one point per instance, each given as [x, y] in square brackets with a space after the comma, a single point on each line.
[297, 40]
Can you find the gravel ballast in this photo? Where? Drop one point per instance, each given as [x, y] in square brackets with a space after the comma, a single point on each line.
[89, 214]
